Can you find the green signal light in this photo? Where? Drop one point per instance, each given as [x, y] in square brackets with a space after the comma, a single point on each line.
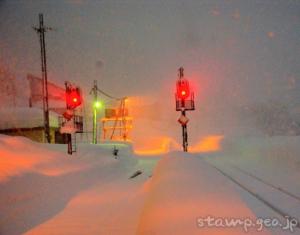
[98, 104]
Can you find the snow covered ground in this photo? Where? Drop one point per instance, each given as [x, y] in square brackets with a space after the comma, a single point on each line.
[45, 191]
[268, 170]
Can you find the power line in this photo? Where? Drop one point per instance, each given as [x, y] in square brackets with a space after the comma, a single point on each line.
[95, 89]
[110, 96]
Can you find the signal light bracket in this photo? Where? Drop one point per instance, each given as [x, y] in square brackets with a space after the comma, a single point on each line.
[185, 104]
[73, 96]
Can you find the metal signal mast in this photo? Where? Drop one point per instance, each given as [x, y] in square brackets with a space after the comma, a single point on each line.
[41, 31]
[94, 90]
[184, 102]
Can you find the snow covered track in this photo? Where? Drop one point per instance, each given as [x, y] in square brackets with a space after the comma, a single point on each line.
[267, 183]
[266, 172]
[272, 206]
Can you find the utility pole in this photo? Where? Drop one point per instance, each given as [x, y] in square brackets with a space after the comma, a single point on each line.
[41, 31]
[94, 91]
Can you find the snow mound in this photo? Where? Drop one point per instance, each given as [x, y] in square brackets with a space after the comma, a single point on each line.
[185, 188]
[38, 180]
[19, 154]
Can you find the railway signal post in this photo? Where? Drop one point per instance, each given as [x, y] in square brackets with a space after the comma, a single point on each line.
[184, 101]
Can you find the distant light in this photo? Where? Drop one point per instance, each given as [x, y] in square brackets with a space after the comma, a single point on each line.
[271, 34]
[75, 100]
[97, 104]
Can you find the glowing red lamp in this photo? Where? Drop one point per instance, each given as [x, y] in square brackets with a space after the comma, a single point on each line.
[183, 89]
[73, 98]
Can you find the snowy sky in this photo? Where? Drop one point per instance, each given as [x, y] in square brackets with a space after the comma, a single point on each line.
[234, 52]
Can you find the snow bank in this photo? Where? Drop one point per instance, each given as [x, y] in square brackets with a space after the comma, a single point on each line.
[37, 181]
[185, 188]
[19, 154]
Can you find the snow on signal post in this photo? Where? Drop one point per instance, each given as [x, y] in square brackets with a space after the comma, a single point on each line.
[71, 123]
[184, 101]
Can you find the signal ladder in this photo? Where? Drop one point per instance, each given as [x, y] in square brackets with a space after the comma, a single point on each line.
[72, 144]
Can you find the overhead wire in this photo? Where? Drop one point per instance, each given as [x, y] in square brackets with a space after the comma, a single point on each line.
[122, 105]
[110, 96]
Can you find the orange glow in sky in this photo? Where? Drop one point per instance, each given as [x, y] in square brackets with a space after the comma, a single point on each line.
[208, 144]
[155, 146]
[162, 145]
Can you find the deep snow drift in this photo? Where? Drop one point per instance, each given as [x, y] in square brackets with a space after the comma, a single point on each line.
[45, 191]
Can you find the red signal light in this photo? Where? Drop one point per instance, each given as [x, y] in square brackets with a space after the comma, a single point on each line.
[73, 98]
[183, 89]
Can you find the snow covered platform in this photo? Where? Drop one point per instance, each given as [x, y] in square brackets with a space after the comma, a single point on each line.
[186, 190]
